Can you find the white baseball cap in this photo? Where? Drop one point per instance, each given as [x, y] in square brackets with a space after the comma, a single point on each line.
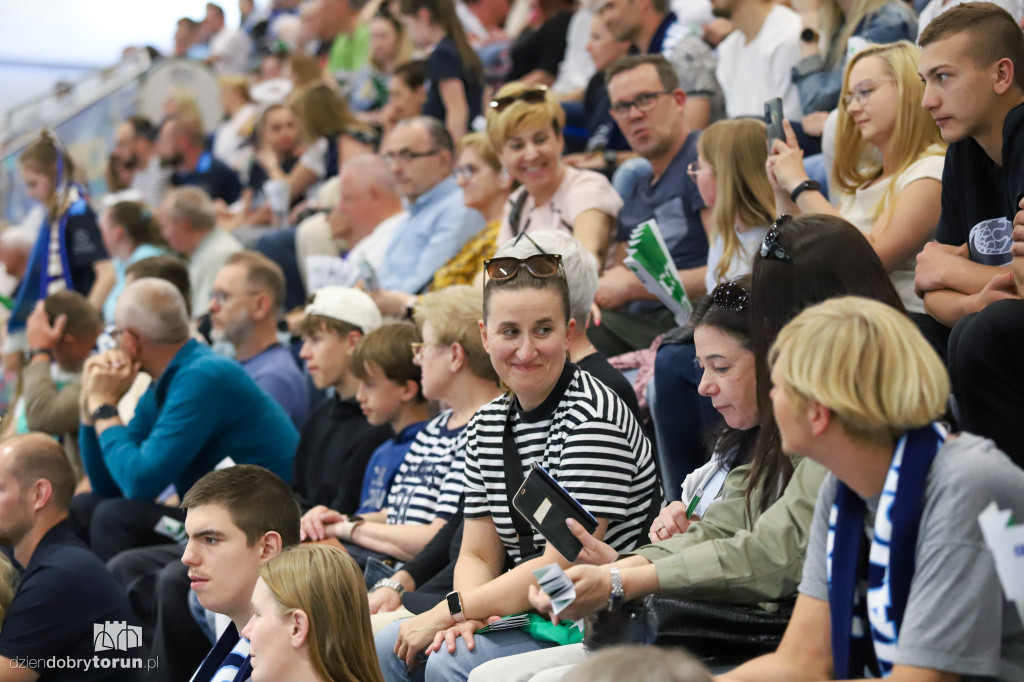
[347, 305]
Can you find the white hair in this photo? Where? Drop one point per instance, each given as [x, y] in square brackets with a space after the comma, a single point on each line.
[155, 310]
[579, 264]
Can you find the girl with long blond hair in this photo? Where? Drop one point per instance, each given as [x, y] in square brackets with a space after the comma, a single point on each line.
[311, 619]
[729, 174]
[888, 164]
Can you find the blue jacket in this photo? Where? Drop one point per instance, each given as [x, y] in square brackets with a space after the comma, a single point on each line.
[202, 409]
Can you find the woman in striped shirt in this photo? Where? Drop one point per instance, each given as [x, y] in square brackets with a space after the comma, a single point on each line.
[558, 416]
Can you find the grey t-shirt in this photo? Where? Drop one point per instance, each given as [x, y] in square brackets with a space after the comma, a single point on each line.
[956, 620]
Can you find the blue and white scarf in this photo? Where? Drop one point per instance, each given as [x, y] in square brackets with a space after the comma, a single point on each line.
[888, 568]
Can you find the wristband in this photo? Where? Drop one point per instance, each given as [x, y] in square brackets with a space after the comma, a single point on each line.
[388, 582]
[41, 351]
[803, 187]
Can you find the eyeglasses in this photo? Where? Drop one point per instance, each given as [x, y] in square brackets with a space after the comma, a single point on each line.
[417, 349]
[862, 92]
[222, 297]
[531, 96]
[539, 265]
[465, 173]
[693, 169]
[770, 247]
[730, 296]
[644, 102]
[406, 155]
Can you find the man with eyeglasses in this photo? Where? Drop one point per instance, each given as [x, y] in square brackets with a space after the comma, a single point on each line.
[420, 154]
[650, 109]
[246, 303]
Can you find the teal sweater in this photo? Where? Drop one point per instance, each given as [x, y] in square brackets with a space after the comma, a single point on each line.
[202, 409]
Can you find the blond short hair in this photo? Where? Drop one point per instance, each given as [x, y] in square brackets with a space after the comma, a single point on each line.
[454, 313]
[866, 362]
[519, 115]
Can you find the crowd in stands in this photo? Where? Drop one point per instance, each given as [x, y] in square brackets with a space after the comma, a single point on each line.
[270, 395]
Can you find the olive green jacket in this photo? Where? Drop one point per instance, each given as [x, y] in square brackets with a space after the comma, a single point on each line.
[723, 559]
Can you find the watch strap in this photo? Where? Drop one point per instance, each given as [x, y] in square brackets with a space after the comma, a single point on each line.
[40, 351]
[388, 582]
[106, 411]
[617, 593]
[803, 187]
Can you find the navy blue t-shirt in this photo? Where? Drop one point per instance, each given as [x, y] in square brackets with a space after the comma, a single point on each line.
[445, 63]
[213, 176]
[84, 248]
[675, 204]
[382, 467]
[69, 609]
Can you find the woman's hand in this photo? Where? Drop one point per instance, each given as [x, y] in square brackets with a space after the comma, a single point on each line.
[416, 634]
[593, 588]
[316, 523]
[384, 600]
[594, 551]
[786, 161]
[464, 629]
[671, 521]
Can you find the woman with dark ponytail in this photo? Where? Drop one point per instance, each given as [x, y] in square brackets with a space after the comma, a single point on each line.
[454, 72]
[69, 252]
[130, 234]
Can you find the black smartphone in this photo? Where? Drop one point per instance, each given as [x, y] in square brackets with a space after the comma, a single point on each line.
[773, 119]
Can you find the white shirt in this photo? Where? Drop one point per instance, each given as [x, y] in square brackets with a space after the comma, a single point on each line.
[231, 48]
[742, 261]
[859, 209]
[231, 139]
[344, 271]
[751, 73]
[577, 67]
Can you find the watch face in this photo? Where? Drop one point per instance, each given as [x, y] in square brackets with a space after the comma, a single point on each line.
[454, 603]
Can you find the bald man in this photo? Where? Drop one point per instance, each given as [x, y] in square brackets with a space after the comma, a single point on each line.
[368, 211]
[65, 590]
[200, 410]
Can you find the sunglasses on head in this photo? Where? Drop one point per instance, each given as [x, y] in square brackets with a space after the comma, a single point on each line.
[770, 247]
[539, 265]
[531, 96]
[730, 296]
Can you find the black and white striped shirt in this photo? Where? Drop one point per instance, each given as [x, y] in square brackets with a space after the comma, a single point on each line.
[430, 474]
[586, 438]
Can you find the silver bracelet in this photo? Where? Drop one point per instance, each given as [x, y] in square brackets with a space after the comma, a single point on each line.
[617, 594]
[388, 582]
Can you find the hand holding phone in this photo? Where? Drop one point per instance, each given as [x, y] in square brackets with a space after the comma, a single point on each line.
[773, 119]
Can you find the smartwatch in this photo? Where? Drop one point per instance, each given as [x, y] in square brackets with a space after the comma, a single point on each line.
[455, 606]
[104, 412]
[617, 594]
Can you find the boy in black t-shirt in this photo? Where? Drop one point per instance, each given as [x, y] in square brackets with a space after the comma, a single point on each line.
[972, 62]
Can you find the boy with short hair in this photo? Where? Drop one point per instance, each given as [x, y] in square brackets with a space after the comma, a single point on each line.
[238, 519]
[337, 441]
[972, 63]
[389, 393]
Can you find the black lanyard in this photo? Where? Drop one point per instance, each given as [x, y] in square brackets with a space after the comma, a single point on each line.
[513, 482]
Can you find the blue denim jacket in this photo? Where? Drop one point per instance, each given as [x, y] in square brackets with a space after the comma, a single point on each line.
[819, 85]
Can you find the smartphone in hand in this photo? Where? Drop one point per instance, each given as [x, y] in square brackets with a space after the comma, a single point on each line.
[773, 119]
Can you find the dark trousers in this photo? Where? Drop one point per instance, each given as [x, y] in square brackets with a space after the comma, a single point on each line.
[113, 525]
[986, 368]
[621, 332]
[681, 415]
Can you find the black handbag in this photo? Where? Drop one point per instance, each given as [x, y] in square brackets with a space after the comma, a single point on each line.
[712, 632]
